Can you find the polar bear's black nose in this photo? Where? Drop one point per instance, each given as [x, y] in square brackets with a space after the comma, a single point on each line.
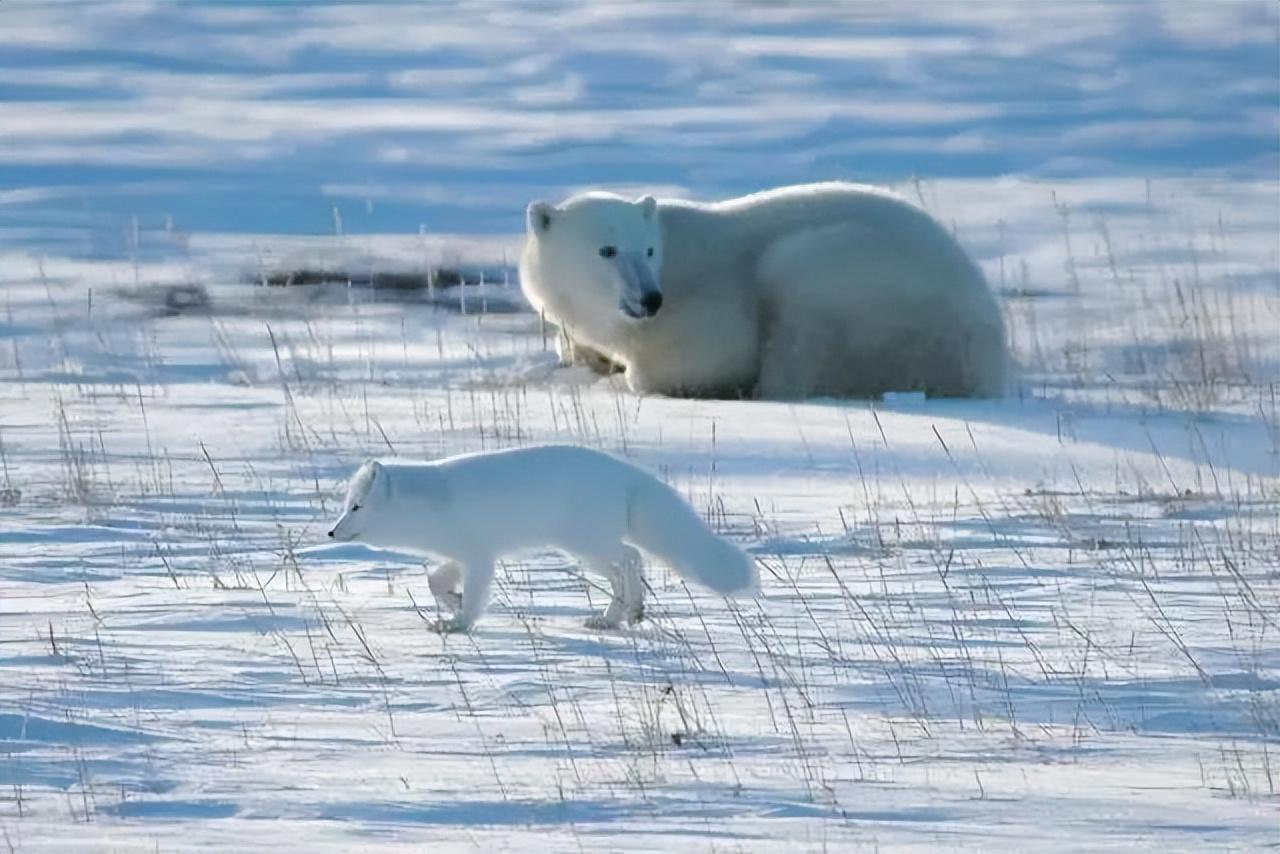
[331, 533]
[651, 302]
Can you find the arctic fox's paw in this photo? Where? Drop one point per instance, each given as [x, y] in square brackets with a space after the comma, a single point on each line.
[602, 623]
[451, 626]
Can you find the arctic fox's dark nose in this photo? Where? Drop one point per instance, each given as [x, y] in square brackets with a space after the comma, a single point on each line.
[651, 302]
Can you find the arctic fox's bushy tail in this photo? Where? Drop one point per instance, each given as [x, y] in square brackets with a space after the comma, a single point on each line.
[664, 525]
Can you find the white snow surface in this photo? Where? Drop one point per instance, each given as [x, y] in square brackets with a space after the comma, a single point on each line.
[1041, 621]
[1045, 622]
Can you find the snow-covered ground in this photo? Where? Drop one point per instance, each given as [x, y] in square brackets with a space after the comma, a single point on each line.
[1043, 622]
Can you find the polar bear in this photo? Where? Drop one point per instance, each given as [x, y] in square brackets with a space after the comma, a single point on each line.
[831, 290]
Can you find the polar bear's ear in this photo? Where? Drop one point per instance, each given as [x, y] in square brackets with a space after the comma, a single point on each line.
[539, 216]
[648, 204]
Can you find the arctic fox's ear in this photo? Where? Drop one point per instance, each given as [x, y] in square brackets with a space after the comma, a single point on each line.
[539, 216]
[648, 204]
[379, 483]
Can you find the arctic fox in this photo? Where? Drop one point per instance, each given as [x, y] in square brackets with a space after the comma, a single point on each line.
[474, 508]
[819, 290]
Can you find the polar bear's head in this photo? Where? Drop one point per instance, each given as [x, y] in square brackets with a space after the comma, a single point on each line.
[600, 253]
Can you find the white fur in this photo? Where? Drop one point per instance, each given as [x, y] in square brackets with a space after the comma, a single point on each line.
[817, 290]
[475, 508]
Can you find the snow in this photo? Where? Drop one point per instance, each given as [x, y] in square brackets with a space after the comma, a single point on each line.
[1047, 621]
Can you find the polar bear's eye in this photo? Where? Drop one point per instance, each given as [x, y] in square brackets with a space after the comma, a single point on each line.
[650, 252]
[355, 507]
[608, 251]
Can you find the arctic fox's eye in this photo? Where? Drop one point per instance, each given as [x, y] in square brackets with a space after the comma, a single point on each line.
[650, 252]
[608, 251]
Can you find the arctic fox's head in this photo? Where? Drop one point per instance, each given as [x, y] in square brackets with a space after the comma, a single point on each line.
[364, 509]
[600, 254]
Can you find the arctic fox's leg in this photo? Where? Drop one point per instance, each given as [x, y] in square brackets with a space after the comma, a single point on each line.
[477, 579]
[633, 573]
[625, 577]
[446, 585]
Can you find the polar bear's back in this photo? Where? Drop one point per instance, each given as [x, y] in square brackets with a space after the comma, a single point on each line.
[785, 209]
[749, 225]
[752, 234]
[859, 291]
